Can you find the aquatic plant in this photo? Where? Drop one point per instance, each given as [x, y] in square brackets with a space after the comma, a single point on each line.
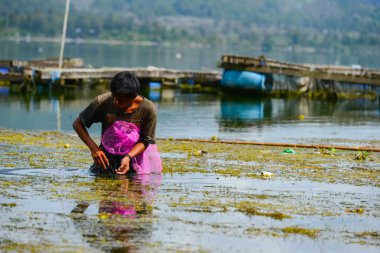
[312, 233]
[214, 138]
[250, 209]
[361, 155]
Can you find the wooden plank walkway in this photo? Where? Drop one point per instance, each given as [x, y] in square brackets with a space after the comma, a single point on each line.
[152, 73]
[354, 74]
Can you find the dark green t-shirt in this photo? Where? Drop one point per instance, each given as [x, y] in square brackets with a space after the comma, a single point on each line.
[103, 110]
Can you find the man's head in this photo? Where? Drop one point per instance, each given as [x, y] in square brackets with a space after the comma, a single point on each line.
[125, 84]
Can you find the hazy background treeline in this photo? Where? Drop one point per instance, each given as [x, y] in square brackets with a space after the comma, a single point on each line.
[268, 24]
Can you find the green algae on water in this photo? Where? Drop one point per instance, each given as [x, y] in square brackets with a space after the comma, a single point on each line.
[215, 191]
[312, 233]
[250, 209]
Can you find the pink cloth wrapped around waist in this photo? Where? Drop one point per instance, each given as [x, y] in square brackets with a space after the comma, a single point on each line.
[121, 137]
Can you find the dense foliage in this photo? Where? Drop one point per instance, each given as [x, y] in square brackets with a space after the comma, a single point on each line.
[327, 24]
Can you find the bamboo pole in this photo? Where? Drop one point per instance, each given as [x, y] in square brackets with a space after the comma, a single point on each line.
[279, 144]
[64, 28]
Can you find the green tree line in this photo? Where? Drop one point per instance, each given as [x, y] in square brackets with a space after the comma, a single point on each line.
[327, 24]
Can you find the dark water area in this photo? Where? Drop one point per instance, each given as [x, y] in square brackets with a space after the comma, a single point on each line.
[182, 114]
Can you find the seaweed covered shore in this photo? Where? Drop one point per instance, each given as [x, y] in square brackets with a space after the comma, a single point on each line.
[211, 197]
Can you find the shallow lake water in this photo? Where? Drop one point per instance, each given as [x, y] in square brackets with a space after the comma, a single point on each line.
[211, 197]
[191, 114]
[146, 219]
[176, 57]
[183, 114]
[210, 201]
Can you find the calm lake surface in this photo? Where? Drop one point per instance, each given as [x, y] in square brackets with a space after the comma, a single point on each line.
[214, 202]
[103, 55]
[194, 115]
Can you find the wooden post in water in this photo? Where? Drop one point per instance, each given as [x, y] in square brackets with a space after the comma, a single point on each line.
[63, 37]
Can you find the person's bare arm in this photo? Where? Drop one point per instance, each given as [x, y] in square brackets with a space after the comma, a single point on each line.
[97, 154]
[125, 162]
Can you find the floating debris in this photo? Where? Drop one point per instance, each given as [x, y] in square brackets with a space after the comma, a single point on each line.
[266, 174]
[288, 151]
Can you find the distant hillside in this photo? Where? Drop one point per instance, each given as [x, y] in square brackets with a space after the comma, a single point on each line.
[328, 24]
[344, 15]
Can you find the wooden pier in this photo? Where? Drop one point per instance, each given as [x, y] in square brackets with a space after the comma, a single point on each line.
[43, 72]
[17, 71]
[353, 74]
[168, 76]
[281, 78]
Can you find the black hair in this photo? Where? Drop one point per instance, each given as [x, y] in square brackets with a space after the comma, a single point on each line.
[125, 84]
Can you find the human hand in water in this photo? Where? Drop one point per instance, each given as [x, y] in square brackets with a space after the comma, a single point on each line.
[124, 166]
[100, 159]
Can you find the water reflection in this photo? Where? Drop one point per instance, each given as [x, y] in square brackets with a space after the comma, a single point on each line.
[202, 115]
[124, 212]
[245, 112]
[46, 108]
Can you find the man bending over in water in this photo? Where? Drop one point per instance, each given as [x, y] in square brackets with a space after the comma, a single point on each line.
[128, 129]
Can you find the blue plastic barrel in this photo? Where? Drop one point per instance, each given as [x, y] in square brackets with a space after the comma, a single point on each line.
[243, 80]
